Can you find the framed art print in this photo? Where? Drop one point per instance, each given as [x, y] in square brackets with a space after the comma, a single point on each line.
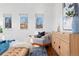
[39, 21]
[23, 21]
[67, 23]
[68, 13]
[8, 21]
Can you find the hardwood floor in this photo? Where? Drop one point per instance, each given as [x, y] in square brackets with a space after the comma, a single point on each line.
[51, 51]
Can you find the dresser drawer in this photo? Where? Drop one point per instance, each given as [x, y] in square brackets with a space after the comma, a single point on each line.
[60, 43]
[56, 44]
[64, 48]
[65, 37]
[57, 34]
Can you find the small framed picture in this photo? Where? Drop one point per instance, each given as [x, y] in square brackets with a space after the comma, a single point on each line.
[39, 21]
[67, 23]
[23, 21]
[7, 21]
[68, 13]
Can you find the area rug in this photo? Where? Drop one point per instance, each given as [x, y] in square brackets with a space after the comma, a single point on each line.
[38, 51]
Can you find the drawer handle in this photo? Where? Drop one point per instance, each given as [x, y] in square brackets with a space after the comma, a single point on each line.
[59, 47]
[54, 42]
[63, 33]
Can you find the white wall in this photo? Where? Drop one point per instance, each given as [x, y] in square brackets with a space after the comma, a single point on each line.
[57, 17]
[52, 14]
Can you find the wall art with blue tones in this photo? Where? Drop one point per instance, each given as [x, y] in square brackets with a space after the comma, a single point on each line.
[67, 23]
[8, 21]
[23, 21]
[68, 14]
[39, 21]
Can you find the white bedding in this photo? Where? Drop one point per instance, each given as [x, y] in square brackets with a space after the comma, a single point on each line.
[43, 40]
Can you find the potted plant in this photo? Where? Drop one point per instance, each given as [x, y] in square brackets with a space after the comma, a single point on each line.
[1, 31]
[70, 13]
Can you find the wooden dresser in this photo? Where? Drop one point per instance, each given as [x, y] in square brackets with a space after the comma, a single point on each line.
[65, 44]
